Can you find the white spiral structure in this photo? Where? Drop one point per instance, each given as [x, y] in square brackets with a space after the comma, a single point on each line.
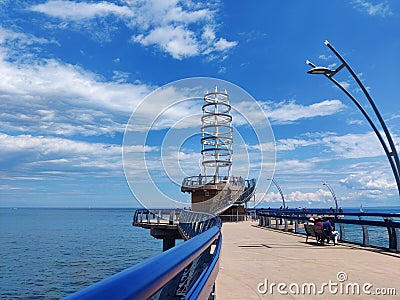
[216, 134]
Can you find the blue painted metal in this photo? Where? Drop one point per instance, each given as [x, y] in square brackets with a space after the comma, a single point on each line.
[309, 211]
[204, 285]
[145, 279]
[250, 187]
[338, 218]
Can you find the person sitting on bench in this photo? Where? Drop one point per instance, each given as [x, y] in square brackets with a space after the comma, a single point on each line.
[329, 230]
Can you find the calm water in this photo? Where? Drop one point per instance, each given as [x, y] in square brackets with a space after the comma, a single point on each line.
[378, 236]
[49, 253]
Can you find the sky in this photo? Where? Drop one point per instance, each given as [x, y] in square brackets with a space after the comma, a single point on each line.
[74, 75]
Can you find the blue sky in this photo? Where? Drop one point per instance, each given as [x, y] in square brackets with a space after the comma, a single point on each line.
[72, 73]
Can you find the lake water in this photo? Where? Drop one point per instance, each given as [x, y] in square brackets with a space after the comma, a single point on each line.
[50, 253]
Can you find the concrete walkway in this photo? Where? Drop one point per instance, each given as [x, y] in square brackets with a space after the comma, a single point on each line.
[253, 259]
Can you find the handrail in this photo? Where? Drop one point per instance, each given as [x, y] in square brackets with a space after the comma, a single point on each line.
[207, 278]
[159, 216]
[145, 279]
[201, 180]
[248, 192]
[300, 216]
[324, 211]
[192, 223]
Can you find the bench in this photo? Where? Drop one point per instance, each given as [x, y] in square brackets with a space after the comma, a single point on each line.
[319, 234]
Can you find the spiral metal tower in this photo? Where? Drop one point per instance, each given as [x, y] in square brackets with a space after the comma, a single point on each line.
[216, 131]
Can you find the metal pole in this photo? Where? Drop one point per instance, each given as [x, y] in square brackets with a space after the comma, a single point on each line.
[377, 113]
[333, 194]
[390, 151]
[279, 189]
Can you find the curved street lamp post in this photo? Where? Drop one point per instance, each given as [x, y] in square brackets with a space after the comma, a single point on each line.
[279, 189]
[333, 194]
[390, 150]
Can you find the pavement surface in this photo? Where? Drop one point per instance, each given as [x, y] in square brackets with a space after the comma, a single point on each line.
[263, 263]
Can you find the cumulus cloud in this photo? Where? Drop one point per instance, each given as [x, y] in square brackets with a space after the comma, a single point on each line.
[373, 180]
[48, 96]
[50, 79]
[309, 198]
[179, 28]
[177, 41]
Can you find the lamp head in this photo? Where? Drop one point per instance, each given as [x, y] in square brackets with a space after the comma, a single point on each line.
[320, 70]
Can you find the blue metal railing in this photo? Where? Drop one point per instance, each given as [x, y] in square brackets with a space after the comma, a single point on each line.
[281, 219]
[199, 181]
[193, 265]
[250, 187]
[157, 216]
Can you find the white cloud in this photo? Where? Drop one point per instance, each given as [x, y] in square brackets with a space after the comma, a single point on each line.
[80, 10]
[289, 112]
[50, 79]
[310, 198]
[20, 39]
[292, 144]
[294, 166]
[325, 57]
[177, 41]
[345, 84]
[51, 97]
[371, 180]
[355, 122]
[354, 145]
[179, 28]
[222, 44]
[381, 9]
[41, 155]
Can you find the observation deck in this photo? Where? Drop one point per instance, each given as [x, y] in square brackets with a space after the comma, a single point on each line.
[217, 194]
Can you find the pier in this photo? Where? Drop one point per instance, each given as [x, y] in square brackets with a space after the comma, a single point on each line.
[265, 256]
[252, 255]
[230, 252]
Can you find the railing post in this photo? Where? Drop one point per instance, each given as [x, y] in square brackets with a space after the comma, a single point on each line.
[277, 222]
[393, 244]
[286, 224]
[342, 236]
[296, 226]
[365, 233]
[135, 216]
